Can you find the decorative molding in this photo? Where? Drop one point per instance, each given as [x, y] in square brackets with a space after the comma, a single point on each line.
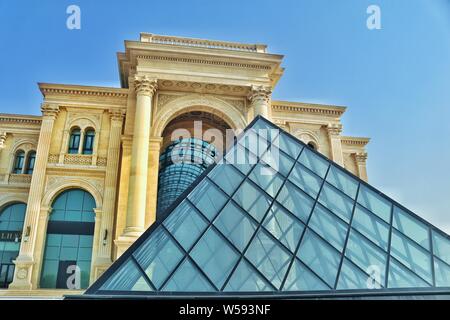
[334, 129]
[78, 159]
[355, 141]
[361, 157]
[144, 85]
[307, 136]
[53, 158]
[202, 43]
[2, 139]
[50, 110]
[117, 114]
[207, 62]
[58, 89]
[297, 107]
[199, 87]
[15, 179]
[19, 119]
[102, 162]
[260, 93]
[163, 99]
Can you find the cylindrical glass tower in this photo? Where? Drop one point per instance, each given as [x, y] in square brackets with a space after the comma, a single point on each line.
[180, 164]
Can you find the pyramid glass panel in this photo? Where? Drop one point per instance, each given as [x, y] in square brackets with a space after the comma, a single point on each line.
[412, 256]
[337, 202]
[188, 278]
[247, 279]
[158, 257]
[329, 227]
[411, 227]
[185, 224]
[236, 225]
[441, 247]
[276, 216]
[371, 227]
[319, 256]
[366, 255]
[342, 181]
[300, 278]
[351, 277]
[214, 256]
[305, 180]
[269, 257]
[442, 273]
[283, 226]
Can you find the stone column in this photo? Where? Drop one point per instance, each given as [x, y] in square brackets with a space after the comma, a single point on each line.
[137, 191]
[361, 164]
[111, 181]
[25, 261]
[334, 132]
[260, 101]
[152, 180]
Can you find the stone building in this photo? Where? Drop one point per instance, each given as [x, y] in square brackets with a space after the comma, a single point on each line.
[79, 184]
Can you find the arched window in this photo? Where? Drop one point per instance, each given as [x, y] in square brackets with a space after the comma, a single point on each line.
[18, 162]
[88, 145]
[31, 159]
[74, 141]
[11, 225]
[312, 145]
[68, 246]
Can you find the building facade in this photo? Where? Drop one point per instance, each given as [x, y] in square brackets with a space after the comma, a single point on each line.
[79, 184]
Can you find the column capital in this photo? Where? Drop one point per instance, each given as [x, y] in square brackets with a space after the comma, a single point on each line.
[361, 157]
[144, 85]
[50, 110]
[334, 129]
[2, 139]
[116, 114]
[260, 93]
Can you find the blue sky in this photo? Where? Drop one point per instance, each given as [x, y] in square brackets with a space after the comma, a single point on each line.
[394, 81]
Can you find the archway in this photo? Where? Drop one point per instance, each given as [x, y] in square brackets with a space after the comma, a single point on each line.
[69, 241]
[12, 217]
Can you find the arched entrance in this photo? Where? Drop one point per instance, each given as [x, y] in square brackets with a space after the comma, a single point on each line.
[68, 245]
[191, 143]
[11, 224]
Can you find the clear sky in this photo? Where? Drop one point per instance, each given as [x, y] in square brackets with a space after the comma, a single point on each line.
[394, 81]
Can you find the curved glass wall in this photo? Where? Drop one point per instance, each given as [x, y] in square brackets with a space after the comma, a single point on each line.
[11, 225]
[180, 164]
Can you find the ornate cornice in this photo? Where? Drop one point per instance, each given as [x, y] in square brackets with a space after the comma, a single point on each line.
[20, 119]
[59, 89]
[206, 62]
[358, 141]
[298, 107]
[202, 43]
[260, 93]
[144, 85]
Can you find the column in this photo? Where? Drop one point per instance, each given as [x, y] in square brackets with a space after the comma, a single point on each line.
[361, 159]
[137, 191]
[334, 134]
[152, 180]
[106, 235]
[25, 261]
[260, 101]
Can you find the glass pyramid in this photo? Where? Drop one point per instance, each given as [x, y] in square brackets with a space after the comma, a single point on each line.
[276, 217]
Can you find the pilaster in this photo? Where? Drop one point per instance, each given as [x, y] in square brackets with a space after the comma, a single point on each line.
[25, 260]
[361, 159]
[334, 132]
[260, 97]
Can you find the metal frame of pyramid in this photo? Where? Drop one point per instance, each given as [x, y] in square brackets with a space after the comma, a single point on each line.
[297, 240]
